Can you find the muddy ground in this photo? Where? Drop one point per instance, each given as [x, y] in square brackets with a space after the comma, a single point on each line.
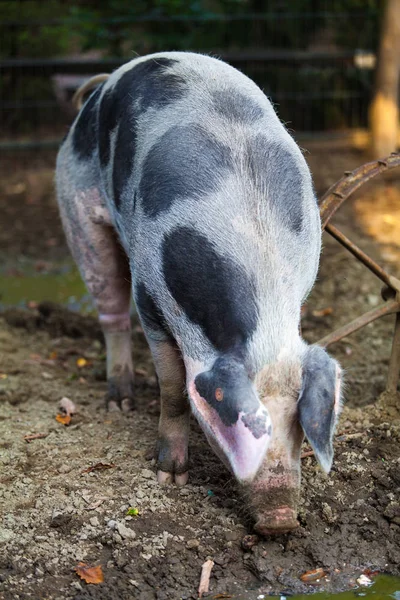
[55, 513]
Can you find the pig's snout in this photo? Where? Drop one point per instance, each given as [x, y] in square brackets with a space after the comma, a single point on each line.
[277, 521]
[273, 500]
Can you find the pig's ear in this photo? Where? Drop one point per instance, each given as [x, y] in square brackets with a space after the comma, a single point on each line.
[319, 403]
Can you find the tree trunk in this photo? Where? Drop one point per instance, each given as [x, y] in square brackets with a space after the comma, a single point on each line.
[384, 109]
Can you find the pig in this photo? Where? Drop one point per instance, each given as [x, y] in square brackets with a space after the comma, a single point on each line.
[178, 183]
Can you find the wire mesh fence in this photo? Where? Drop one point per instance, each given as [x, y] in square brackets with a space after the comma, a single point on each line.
[316, 70]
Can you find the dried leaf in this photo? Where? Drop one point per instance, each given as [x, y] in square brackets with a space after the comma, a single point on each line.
[34, 436]
[323, 312]
[141, 372]
[312, 576]
[307, 454]
[81, 362]
[67, 406]
[53, 355]
[205, 577]
[90, 574]
[64, 419]
[98, 467]
[96, 504]
[3, 376]
[218, 596]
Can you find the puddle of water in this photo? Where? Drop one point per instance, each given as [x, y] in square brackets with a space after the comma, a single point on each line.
[26, 281]
[384, 587]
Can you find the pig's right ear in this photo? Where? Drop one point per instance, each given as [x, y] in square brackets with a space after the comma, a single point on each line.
[319, 402]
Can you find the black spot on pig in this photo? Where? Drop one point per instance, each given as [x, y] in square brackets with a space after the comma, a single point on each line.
[155, 87]
[148, 310]
[186, 162]
[228, 389]
[146, 85]
[84, 138]
[275, 172]
[215, 292]
[257, 424]
[124, 155]
[235, 106]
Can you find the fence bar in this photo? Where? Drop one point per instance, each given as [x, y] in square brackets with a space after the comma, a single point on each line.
[384, 309]
[358, 253]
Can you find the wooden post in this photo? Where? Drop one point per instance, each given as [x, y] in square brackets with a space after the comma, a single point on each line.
[384, 108]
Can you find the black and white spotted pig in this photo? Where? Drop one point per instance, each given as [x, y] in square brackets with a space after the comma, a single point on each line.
[178, 181]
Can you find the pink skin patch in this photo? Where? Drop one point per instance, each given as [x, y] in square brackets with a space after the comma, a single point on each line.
[236, 445]
[117, 322]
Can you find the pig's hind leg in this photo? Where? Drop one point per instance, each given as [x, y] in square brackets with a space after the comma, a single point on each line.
[173, 429]
[104, 268]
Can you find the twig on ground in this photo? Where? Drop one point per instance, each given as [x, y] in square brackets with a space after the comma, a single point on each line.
[205, 577]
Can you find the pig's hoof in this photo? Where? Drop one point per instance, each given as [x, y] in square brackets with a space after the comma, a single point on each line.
[277, 522]
[125, 405]
[165, 478]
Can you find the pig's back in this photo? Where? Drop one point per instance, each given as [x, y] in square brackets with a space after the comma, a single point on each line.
[211, 196]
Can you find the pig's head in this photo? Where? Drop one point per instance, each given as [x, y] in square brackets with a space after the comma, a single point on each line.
[302, 397]
[257, 427]
[237, 425]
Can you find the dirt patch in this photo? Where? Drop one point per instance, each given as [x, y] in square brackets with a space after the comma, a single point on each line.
[54, 515]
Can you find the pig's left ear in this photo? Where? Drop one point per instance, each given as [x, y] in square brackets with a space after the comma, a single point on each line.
[319, 402]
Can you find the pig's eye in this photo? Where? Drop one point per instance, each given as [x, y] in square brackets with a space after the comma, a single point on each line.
[219, 394]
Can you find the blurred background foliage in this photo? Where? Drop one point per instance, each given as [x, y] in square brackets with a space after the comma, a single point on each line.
[310, 96]
[120, 27]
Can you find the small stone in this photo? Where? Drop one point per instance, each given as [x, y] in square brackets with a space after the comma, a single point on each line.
[147, 474]
[125, 532]
[59, 518]
[111, 524]
[231, 536]
[6, 535]
[94, 521]
[192, 544]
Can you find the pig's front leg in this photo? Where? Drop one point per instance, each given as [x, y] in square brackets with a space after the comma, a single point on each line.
[173, 430]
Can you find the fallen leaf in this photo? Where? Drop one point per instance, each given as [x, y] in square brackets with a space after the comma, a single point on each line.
[53, 355]
[90, 574]
[323, 312]
[98, 467]
[3, 376]
[307, 453]
[96, 504]
[218, 596]
[205, 577]
[34, 436]
[67, 406]
[312, 576]
[141, 372]
[133, 512]
[370, 573]
[64, 419]
[81, 362]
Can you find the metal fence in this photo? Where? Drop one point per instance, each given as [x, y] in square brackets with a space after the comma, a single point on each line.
[314, 90]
